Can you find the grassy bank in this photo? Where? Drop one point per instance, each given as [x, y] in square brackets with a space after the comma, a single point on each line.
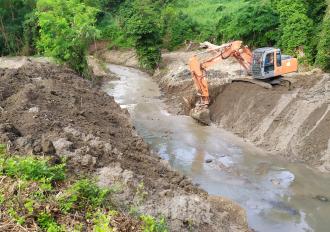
[38, 193]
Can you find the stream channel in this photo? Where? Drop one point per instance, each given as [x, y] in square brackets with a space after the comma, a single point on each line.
[277, 195]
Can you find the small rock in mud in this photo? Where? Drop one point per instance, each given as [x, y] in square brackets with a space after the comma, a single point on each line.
[322, 198]
[25, 143]
[33, 110]
[88, 160]
[62, 145]
[208, 161]
[48, 147]
[275, 181]
[8, 132]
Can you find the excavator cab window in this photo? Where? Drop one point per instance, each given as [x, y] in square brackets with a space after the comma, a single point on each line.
[278, 59]
[269, 62]
[257, 58]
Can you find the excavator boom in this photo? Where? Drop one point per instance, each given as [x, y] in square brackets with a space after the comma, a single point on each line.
[199, 67]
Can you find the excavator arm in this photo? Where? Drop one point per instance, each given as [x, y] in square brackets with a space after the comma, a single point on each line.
[198, 68]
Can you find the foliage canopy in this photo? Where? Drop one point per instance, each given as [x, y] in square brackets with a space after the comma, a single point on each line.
[66, 28]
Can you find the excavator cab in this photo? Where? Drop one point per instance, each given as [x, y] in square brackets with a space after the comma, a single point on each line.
[269, 62]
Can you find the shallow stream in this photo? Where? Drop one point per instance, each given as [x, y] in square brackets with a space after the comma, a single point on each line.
[277, 195]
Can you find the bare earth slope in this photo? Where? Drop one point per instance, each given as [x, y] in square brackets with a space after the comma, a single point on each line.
[294, 124]
[49, 110]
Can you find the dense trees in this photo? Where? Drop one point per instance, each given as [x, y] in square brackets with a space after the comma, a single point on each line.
[295, 27]
[66, 28]
[323, 49]
[12, 14]
[255, 24]
[63, 29]
[142, 25]
[177, 27]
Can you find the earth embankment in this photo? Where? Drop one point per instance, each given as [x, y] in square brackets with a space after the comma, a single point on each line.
[49, 110]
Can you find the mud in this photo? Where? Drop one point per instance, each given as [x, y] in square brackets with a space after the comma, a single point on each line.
[49, 110]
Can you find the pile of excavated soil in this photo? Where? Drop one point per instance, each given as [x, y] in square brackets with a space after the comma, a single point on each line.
[49, 110]
[292, 123]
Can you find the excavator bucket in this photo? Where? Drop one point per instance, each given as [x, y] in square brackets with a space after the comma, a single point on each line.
[201, 114]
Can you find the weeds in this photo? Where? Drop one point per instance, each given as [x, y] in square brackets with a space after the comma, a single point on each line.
[141, 194]
[102, 221]
[83, 193]
[153, 225]
[29, 205]
[48, 223]
[15, 216]
[31, 168]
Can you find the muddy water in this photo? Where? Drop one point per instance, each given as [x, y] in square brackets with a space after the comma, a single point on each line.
[277, 196]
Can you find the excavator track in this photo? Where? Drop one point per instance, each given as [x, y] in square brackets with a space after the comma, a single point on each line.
[287, 82]
[254, 81]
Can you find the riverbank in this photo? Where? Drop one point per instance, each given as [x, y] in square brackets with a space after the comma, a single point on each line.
[48, 110]
[291, 122]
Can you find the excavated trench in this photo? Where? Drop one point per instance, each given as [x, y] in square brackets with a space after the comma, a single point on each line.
[277, 195]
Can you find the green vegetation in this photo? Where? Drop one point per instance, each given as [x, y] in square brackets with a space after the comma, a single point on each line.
[295, 27]
[323, 54]
[31, 168]
[48, 223]
[255, 24]
[177, 27]
[81, 195]
[12, 14]
[64, 29]
[153, 225]
[39, 196]
[142, 26]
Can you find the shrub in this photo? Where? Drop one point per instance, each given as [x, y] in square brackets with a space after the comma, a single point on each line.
[31, 168]
[83, 194]
[48, 223]
[142, 26]
[12, 14]
[177, 27]
[150, 224]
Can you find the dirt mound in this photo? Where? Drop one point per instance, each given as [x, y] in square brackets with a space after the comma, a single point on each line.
[49, 110]
[121, 57]
[294, 124]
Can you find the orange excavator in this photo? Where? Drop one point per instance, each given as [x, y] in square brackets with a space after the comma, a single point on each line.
[262, 64]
